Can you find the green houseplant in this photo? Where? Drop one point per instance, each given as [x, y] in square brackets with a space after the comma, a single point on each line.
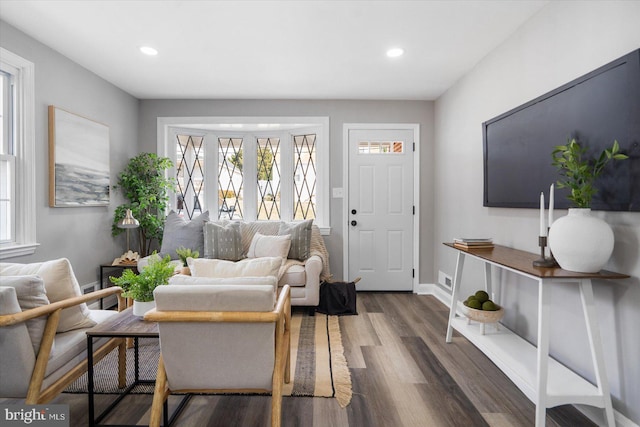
[140, 286]
[580, 241]
[579, 172]
[183, 254]
[146, 187]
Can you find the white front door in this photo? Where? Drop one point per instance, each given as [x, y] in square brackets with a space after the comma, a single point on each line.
[380, 212]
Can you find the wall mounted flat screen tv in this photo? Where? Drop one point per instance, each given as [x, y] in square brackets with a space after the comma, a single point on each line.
[596, 109]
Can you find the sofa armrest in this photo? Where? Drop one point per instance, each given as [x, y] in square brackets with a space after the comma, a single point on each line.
[12, 319]
[313, 269]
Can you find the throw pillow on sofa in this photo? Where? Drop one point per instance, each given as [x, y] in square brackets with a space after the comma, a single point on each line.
[31, 294]
[269, 246]
[300, 233]
[266, 266]
[60, 284]
[179, 232]
[223, 241]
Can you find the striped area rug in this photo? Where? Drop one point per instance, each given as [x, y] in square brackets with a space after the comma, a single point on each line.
[318, 365]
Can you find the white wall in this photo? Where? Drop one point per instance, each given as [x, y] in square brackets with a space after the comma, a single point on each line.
[81, 234]
[562, 42]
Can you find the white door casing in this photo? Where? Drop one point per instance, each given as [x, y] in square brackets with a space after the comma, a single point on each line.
[381, 244]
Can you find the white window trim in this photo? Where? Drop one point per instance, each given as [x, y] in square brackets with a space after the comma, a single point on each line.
[25, 238]
[165, 145]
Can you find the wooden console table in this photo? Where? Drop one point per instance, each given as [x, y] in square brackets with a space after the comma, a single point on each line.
[546, 382]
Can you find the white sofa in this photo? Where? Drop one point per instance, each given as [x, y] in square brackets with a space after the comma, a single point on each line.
[43, 324]
[303, 277]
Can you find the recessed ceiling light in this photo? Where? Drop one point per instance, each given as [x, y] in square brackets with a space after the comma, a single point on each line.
[395, 52]
[148, 50]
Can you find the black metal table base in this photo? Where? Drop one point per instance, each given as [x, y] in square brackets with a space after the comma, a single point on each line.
[96, 421]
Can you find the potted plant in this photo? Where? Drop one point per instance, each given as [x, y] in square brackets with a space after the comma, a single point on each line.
[140, 286]
[183, 254]
[579, 241]
[145, 184]
[580, 173]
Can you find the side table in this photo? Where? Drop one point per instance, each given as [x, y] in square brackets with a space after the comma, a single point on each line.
[545, 381]
[124, 325]
[108, 270]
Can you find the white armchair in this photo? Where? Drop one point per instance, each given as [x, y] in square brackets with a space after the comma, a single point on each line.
[42, 333]
[237, 335]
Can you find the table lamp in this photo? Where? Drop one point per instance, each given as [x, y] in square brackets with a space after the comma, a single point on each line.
[128, 222]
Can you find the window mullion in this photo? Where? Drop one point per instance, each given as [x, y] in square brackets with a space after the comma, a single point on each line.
[250, 177]
[286, 183]
[210, 165]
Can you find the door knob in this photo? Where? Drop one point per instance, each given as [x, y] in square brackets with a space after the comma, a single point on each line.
[353, 212]
[354, 223]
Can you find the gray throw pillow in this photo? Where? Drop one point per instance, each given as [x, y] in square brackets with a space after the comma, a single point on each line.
[31, 294]
[179, 232]
[300, 238]
[223, 241]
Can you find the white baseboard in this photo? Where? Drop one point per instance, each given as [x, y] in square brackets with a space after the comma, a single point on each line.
[596, 415]
[435, 290]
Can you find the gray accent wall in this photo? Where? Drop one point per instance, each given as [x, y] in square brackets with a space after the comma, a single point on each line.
[562, 42]
[83, 235]
[339, 112]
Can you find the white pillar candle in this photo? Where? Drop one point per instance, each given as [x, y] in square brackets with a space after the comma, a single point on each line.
[550, 206]
[543, 229]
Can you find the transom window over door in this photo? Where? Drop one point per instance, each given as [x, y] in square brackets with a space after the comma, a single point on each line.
[253, 174]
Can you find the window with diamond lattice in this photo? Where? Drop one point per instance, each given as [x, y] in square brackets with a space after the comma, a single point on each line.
[304, 182]
[189, 174]
[275, 179]
[230, 181]
[268, 166]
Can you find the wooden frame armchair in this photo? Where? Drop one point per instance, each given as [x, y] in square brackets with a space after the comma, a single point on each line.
[45, 383]
[222, 350]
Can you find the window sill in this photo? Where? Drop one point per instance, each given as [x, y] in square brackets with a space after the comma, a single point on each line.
[18, 250]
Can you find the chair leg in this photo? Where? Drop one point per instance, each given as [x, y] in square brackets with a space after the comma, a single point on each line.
[160, 394]
[287, 363]
[280, 363]
[276, 408]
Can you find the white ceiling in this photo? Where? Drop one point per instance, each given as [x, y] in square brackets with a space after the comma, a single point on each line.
[274, 49]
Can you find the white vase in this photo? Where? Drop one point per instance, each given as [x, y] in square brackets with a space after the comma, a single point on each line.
[581, 242]
[141, 307]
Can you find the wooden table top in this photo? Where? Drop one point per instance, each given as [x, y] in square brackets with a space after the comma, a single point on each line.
[523, 261]
[125, 324]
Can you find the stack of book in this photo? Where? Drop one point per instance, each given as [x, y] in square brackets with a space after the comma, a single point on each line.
[465, 243]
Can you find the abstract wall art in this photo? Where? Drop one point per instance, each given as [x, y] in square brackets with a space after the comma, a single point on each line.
[78, 160]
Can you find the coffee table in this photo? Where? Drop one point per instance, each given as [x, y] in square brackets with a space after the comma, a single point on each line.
[124, 325]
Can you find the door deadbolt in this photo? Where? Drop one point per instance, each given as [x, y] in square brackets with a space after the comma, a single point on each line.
[353, 212]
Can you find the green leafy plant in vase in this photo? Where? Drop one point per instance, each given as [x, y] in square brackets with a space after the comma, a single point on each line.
[183, 254]
[579, 172]
[140, 286]
[580, 241]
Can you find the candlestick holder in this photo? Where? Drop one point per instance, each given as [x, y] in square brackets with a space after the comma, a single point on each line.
[551, 257]
[543, 261]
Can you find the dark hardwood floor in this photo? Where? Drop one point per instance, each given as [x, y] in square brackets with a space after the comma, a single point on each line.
[403, 374]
